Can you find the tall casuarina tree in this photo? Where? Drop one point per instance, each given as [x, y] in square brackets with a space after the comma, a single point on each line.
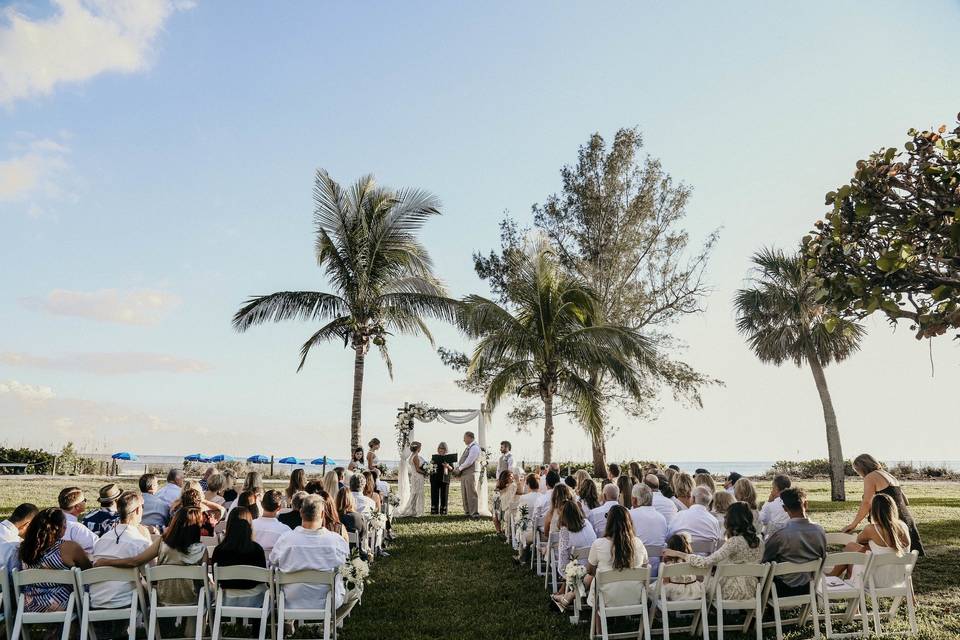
[781, 319]
[380, 275]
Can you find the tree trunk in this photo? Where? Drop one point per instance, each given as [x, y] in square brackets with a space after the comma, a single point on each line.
[355, 429]
[599, 455]
[547, 428]
[834, 450]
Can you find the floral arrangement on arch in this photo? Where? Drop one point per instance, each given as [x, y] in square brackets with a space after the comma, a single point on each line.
[416, 411]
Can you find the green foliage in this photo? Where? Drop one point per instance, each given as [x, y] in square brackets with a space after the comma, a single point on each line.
[42, 460]
[818, 468]
[891, 239]
[69, 462]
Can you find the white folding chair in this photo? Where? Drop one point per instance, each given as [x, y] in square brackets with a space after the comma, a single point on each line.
[536, 555]
[264, 588]
[703, 546]
[697, 607]
[354, 539]
[28, 577]
[639, 577]
[210, 542]
[160, 573]
[806, 603]
[833, 591]
[326, 613]
[552, 560]
[840, 539]
[6, 613]
[752, 606]
[578, 554]
[89, 614]
[654, 551]
[900, 588]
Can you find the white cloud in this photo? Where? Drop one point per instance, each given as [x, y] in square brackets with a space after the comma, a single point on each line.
[34, 169]
[106, 363]
[81, 39]
[25, 392]
[133, 306]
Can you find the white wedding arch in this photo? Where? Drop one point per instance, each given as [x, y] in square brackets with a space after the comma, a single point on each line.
[419, 411]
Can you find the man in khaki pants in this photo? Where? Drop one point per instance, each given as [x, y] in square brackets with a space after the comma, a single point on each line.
[466, 470]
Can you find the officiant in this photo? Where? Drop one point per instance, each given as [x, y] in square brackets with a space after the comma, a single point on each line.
[440, 480]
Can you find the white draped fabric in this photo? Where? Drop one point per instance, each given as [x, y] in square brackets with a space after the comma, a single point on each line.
[453, 417]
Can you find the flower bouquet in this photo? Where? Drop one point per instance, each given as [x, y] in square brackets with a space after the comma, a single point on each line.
[429, 468]
[524, 520]
[574, 573]
[355, 572]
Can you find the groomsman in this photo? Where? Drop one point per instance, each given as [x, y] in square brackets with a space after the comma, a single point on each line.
[467, 472]
[506, 458]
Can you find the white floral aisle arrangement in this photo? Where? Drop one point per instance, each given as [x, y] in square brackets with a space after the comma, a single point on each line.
[523, 522]
[393, 499]
[574, 573]
[355, 572]
[377, 521]
[497, 503]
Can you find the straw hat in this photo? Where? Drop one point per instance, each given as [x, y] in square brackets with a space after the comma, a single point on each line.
[110, 493]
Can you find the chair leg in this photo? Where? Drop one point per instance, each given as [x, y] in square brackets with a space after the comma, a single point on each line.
[815, 616]
[85, 618]
[643, 616]
[665, 613]
[876, 610]
[132, 623]
[719, 619]
[864, 618]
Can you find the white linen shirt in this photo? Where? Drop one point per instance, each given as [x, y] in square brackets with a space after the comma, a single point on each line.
[8, 532]
[505, 463]
[364, 504]
[649, 525]
[473, 452]
[318, 549]
[598, 517]
[698, 522]
[123, 541]
[78, 533]
[10, 556]
[664, 506]
[773, 517]
[266, 532]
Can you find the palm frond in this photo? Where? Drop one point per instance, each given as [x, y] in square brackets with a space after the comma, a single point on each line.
[336, 328]
[288, 305]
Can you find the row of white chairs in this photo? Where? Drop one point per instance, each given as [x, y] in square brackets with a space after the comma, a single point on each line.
[209, 610]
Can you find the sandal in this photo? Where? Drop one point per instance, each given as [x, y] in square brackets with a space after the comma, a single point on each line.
[560, 602]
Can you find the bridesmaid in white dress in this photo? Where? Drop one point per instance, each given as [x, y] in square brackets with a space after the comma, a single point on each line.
[414, 506]
[372, 460]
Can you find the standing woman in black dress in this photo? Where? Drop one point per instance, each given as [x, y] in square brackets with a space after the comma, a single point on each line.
[440, 484]
[877, 480]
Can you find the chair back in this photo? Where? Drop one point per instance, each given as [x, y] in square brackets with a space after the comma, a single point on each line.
[24, 577]
[176, 572]
[748, 569]
[306, 576]
[703, 546]
[580, 554]
[788, 568]
[907, 561]
[654, 550]
[853, 558]
[840, 539]
[241, 572]
[97, 575]
[678, 569]
[640, 574]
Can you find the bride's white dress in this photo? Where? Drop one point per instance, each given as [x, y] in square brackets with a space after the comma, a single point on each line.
[414, 505]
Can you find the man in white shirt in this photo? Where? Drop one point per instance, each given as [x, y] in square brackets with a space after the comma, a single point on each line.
[364, 504]
[382, 486]
[697, 521]
[467, 470]
[648, 524]
[772, 514]
[506, 458]
[542, 478]
[543, 502]
[267, 529]
[125, 540]
[171, 490]
[310, 546]
[73, 503]
[598, 516]
[156, 512]
[13, 528]
[661, 503]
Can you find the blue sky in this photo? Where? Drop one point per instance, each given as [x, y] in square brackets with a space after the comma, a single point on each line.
[156, 167]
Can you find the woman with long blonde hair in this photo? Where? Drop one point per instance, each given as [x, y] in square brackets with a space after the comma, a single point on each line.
[876, 480]
[886, 533]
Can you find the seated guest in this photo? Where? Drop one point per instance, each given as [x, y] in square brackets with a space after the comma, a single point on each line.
[156, 512]
[215, 486]
[571, 482]
[697, 521]
[380, 485]
[613, 472]
[314, 487]
[267, 529]
[298, 482]
[662, 503]
[529, 500]
[541, 473]
[686, 587]
[625, 487]
[582, 476]
[125, 540]
[798, 541]
[773, 515]
[292, 518]
[719, 505]
[254, 484]
[588, 496]
[331, 519]
[731, 481]
[311, 546]
[171, 491]
[562, 494]
[211, 514]
[636, 473]
[575, 533]
[543, 504]
[205, 479]
[745, 491]
[673, 467]
[73, 503]
[682, 491]
[705, 480]
[341, 477]
[886, 533]
[370, 491]
[648, 524]
[46, 546]
[249, 499]
[331, 483]
[239, 548]
[13, 528]
[743, 546]
[598, 516]
[230, 492]
[103, 519]
[353, 521]
[877, 480]
[700, 470]
[618, 549]
[357, 485]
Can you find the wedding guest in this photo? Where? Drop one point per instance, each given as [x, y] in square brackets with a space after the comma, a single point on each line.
[648, 524]
[353, 521]
[372, 461]
[700, 470]
[205, 479]
[211, 513]
[310, 546]
[103, 519]
[506, 457]
[171, 491]
[876, 480]
[731, 480]
[248, 499]
[341, 479]
[743, 546]
[543, 504]
[45, 546]
[571, 482]
[267, 528]
[440, 484]
[662, 503]
[13, 528]
[541, 472]
[798, 541]
[297, 482]
[772, 515]
[598, 516]
[73, 503]
[745, 491]
[506, 489]
[886, 533]
[331, 483]
[686, 587]
[673, 467]
[697, 521]
[561, 495]
[215, 486]
[613, 472]
[331, 519]
[530, 500]
[582, 476]
[682, 491]
[625, 487]
[636, 473]
[589, 496]
[126, 539]
[230, 492]
[705, 480]
[156, 512]
[670, 473]
[357, 486]
[254, 483]
[380, 485]
[575, 533]
[239, 548]
[292, 518]
[370, 491]
[356, 463]
[314, 487]
[719, 505]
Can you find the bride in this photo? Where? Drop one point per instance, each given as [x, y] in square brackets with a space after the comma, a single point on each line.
[414, 504]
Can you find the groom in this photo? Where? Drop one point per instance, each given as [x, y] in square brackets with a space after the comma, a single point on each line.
[466, 470]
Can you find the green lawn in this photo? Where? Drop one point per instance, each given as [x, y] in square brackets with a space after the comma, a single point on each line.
[453, 578]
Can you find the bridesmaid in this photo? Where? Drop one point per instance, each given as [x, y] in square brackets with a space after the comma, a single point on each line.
[877, 481]
[372, 461]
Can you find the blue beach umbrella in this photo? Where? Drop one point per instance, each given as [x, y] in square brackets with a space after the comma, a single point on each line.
[289, 460]
[322, 460]
[124, 455]
[258, 459]
[222, 457]
[196, 457]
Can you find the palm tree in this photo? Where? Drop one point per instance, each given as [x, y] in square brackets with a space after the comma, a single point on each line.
[382, 276]
[547, 343]
[782, 320]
